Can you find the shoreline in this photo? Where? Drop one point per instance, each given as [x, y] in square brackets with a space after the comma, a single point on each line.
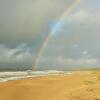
[27, 75]
[38, 76]
[76, 86]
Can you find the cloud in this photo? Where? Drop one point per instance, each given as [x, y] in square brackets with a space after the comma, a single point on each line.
[87, 12]
[22, 20]
[15, 55]
[79, 16]
[84, 16]
[68, 63]
[85, 52]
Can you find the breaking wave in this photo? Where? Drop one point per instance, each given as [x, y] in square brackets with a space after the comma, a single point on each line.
[8, 76]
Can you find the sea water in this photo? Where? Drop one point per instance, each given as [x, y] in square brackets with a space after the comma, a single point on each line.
[16, 75]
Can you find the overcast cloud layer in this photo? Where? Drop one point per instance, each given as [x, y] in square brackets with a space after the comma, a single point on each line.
[25, 23]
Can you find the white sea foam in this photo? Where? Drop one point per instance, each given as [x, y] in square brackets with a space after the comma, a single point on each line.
[7, 76]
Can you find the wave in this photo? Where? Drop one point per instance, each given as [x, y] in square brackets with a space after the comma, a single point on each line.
[8, 76]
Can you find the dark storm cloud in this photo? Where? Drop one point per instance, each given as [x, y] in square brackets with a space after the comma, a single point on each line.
[22, 20]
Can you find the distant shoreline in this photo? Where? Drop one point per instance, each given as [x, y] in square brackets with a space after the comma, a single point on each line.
[77, 69]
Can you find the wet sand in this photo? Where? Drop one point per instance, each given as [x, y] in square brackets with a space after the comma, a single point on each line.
[81, 85]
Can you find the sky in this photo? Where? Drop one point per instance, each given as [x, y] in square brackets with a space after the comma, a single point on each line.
[24, 25]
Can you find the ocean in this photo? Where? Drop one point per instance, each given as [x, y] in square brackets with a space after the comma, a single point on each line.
[17, 75]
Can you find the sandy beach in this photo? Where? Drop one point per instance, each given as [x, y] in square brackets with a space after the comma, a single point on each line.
[77, 86]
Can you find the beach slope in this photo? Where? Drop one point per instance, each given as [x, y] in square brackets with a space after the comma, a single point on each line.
[83, 85]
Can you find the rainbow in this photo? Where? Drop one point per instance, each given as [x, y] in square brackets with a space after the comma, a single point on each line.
[54, 30]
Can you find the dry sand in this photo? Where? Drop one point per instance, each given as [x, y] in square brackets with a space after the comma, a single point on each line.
[77, 86]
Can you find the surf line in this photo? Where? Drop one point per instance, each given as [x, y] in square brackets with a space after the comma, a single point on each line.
[53, 31]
